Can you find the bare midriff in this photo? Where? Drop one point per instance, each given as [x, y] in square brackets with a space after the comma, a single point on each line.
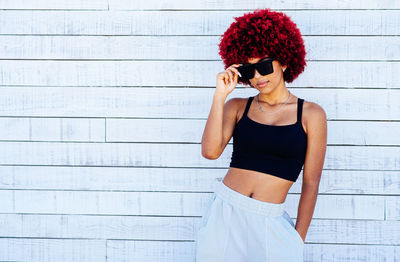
[257, 185]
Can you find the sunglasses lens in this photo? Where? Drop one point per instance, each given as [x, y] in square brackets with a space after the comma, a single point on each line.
[265, 67]
[247, 71]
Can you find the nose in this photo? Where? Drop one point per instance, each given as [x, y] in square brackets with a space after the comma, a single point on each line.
[256, 74]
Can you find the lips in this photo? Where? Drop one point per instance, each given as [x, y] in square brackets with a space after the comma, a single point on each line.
[263, 83]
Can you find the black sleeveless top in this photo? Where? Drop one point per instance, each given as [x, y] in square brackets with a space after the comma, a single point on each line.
[276, 150]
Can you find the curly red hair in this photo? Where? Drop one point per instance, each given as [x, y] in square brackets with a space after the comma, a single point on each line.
[264, 32]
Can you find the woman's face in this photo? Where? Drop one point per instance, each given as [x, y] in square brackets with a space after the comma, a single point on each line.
[274, 79]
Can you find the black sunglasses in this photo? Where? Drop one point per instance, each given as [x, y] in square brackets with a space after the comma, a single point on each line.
[264, 67]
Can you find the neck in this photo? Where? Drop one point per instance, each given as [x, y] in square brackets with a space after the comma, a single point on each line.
[278, 97]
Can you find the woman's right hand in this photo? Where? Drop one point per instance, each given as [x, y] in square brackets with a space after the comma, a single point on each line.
[227, 80]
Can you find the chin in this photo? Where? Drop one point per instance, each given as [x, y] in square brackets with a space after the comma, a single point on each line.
[265, 88]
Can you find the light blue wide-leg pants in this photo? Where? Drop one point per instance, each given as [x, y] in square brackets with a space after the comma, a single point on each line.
[238, 228]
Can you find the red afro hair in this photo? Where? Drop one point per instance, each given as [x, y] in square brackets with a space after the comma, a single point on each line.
[264, 32]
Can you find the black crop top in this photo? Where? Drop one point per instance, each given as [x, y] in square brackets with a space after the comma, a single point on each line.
[276, 150]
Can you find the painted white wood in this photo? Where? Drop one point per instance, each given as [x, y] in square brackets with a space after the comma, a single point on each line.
[274, 4]
[310, 22]
[364, 133]
[146, 251]
[182, 5]
[52, 129]
[350, 253]
[392, 208]
[177, 251]
[370, 74]
[122, 250]
[129, 179]
[159, 103]
[184, 47]
[175, 155]
[183, 228]
[48, 4]
[188, 130]
[7, 203]
[175, 204]
[170, 130]
[27, 249]
[100, 158]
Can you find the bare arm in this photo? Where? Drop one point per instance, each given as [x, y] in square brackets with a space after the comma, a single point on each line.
[222, 117]
[219, 127]
[315, 156]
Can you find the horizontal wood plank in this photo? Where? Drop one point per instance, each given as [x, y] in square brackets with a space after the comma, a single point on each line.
[54, 5]
[170, 155]
[190, 131]
[392, 207]
[164, 73]
[175, 102]
[31, 249]
[120, 250]
[172, 203]
[324, 231]
[129, 179]
[193, 5]
[192, 22]
[181, 251]
[273, 4]
[57, 129]
[184, 47]
[169, 130]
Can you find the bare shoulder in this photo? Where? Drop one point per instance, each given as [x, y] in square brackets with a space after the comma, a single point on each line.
[314, 115]
[237, 101]
[235, 105]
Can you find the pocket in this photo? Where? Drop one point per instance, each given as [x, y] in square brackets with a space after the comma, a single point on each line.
[207, 211]
[298, 235]
[292, 228]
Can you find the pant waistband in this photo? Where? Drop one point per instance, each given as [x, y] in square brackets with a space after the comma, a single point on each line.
[250, 204]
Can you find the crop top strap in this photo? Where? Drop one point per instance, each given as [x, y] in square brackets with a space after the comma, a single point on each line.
[299, 109]
[248, 105]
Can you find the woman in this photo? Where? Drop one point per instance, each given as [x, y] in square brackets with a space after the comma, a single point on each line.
[274, 135]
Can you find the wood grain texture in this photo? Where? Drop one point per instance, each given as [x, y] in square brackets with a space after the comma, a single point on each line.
[102, 107]
[36, 249]
[274, 4]
[183, 228]
[134, 179]
[333, 48]
[170, 155]
[184, 103]
[182, 5]
[121, 250]
[370, 74]
[189, 23]
[178, 204]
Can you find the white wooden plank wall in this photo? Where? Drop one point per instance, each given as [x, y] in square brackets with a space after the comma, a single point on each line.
[102, 108]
